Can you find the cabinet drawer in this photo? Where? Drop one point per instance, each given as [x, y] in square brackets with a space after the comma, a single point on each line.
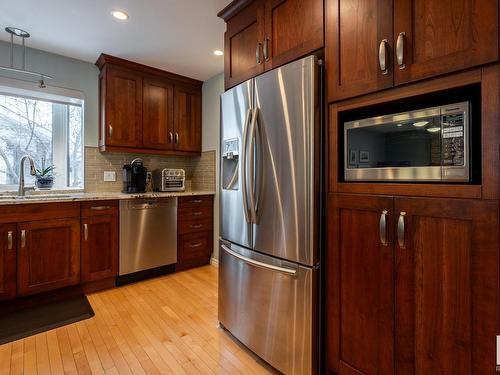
[191, 213]
[194, 226]
[193, 246]
[195, 201]
[93, 208]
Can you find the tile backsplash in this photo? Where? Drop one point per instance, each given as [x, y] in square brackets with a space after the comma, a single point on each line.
[200, 170]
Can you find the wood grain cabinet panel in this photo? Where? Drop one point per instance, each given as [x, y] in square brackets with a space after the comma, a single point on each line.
[48, 255]
[158, 114]
[447, 292]
[359, 291]
[294, 28]
[99, 244]
[123, 112]
[187, 123]
[355, 30]
[8, 266]
[443, 36]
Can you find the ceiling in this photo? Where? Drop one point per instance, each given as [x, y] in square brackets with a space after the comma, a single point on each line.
[175, 35]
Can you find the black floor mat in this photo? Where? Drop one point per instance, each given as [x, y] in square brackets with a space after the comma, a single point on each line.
[18, 324]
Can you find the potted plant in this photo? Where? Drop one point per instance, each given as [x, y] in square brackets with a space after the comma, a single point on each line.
[45, 177]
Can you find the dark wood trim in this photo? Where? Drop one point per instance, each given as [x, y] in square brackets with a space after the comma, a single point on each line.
[105, 59]
[135, 150]
[16, 213]
[233, 8]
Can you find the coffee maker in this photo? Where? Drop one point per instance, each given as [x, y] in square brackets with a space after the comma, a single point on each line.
[134, 177]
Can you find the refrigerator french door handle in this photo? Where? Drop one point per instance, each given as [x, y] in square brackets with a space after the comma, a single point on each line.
[257, 263]
[251, 160]
[244, 166]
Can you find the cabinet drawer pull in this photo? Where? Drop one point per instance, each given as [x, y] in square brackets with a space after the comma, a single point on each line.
[266, 49]
[382, 57]
[9, 240]
[257, 53]
[23, 238]
[100, 208]
[197, 201]
[400, 50]
[85, 232]
[196, 226]
[383, 228]
[401, 230]
[197, 244]
[197, 213]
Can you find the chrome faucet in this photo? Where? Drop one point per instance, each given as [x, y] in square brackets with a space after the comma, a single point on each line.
[22, 189]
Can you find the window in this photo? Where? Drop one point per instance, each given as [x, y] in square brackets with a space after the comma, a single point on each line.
[49, 128]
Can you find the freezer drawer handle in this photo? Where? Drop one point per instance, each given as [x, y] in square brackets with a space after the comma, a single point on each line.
[256, 263]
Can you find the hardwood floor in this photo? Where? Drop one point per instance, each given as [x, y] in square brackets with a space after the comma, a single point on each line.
[166, 325]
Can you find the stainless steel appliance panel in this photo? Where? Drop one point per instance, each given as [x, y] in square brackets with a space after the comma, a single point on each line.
[148, 234]
[267, 304]
[236, 106]
[283, 139]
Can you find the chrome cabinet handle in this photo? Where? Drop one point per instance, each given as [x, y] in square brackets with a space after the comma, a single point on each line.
[197, 201]
[256, 263]
[176, 138]
[400, 50]
[195, 226]
[23, 238]
[266, 49]
[110, 130]
[197, 213]
[257, 53]
[85, 231]
[401, 230]
[383, 228]
[9, 240]
[382, 57]
[197, 244]
[170, 137]
[100, 208]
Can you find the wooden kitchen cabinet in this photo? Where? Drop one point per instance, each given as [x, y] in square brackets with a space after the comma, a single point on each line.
[264, 34]
[8, 258]
[158, 114]
[99, 243]
[48, 255]
[355, 33]
[187, 124]
[437, 278]
[147, 110]
[417, 39]
[359, 286]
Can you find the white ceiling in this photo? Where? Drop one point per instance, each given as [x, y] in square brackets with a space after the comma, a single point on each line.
[176, 35]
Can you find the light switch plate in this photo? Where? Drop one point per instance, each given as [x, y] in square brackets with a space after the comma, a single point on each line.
[109, 176]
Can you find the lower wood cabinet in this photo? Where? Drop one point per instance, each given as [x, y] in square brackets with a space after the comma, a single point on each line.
[48, 255]
[99, 241]
[412, 285]
[8, 258]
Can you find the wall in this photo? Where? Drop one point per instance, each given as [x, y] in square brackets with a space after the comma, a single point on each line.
[212, 90]
[68, 73]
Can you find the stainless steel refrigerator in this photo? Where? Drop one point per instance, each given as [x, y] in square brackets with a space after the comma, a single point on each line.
[269, 246]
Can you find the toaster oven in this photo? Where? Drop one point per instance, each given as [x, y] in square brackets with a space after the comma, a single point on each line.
[169, 179]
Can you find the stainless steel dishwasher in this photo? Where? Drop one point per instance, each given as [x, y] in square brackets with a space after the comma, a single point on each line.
[148, 238]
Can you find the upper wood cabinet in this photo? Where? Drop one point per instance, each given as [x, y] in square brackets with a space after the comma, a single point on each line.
[147, 110]
[264, 34]
[374, 45]
[48, 256]
[8, 256]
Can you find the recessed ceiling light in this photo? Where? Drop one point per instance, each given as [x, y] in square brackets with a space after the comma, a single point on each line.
[119, 15]
[218, 52]
[419, 124]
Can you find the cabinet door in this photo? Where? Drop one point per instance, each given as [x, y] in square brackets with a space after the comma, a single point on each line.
[158, 114]
[294, 28]
[243, 44]
[355, 30]
[442, 36]
[187, 123]
[48, 256]
[99, 247]
[359, 285]
[123, 108]
[447, 291]
[8, 264]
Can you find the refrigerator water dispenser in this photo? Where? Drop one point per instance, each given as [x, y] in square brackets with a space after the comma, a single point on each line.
[230, 164]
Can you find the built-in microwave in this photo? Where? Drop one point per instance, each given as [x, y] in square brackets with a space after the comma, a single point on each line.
[430, 144]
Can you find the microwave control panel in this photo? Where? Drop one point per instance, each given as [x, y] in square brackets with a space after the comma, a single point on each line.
[453, 139]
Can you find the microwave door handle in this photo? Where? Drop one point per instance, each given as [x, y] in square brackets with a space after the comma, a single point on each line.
[244, 165]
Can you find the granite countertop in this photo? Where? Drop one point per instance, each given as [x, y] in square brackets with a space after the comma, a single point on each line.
[48, 197]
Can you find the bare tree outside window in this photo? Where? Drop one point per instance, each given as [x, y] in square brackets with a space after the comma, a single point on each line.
[48, 131]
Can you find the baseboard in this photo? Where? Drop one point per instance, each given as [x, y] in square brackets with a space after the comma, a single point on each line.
[214, 262]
